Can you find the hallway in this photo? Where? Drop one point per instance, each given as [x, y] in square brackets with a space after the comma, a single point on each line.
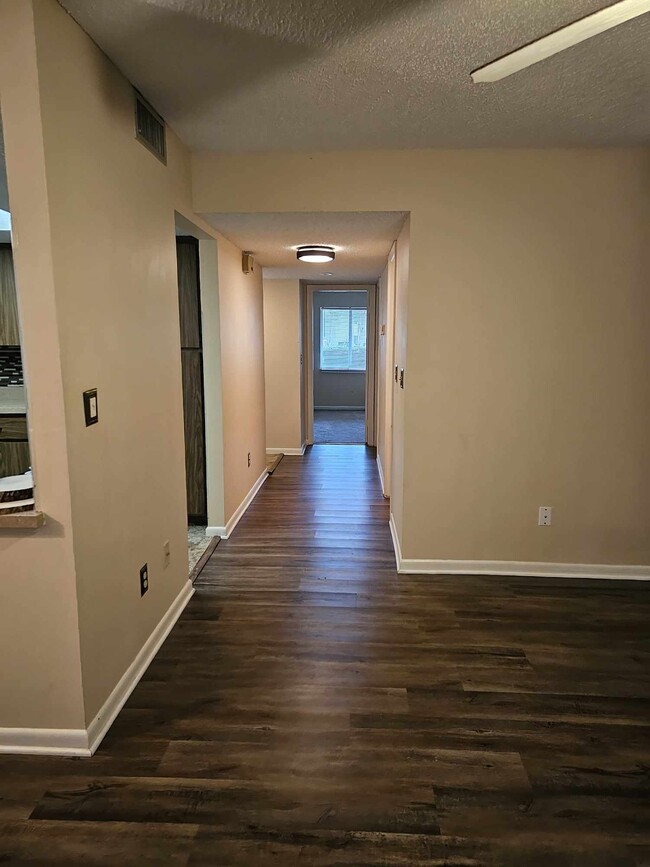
[313, 708]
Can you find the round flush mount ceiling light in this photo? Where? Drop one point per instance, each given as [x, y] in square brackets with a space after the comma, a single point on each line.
[316, 253]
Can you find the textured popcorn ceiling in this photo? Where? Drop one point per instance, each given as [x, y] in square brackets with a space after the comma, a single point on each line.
[362, 241]
[238, 75]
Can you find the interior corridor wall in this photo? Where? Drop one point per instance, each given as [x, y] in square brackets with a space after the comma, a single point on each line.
[383, 375]
[527, 354]
[399, 494]
[94, 233]
[282, 365]
[212, 379]
[40, 681]
[242, 375]
[113, 252]
[386, 384]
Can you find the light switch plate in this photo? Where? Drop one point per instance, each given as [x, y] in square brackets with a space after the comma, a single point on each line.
[91, 409]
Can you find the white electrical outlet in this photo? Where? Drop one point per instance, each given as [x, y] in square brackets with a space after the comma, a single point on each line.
[167, 553]
[544, 519]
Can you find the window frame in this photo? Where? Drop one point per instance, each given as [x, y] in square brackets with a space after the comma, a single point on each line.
[348, 369]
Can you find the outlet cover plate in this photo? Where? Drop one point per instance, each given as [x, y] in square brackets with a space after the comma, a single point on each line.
[144, 579]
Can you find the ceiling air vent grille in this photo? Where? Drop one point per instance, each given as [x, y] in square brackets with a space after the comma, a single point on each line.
[150, 128]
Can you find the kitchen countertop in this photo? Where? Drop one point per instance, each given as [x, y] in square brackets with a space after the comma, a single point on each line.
[13, 400]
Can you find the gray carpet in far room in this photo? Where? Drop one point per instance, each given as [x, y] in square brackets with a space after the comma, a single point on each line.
[339, 426]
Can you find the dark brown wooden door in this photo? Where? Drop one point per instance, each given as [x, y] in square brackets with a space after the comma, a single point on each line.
[189, 304]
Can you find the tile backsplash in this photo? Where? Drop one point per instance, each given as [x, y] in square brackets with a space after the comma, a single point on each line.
[11, 366]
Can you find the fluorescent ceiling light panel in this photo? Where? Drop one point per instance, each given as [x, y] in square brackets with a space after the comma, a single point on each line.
[562, 39]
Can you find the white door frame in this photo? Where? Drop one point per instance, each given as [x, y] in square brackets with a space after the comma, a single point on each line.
[387, 421]
[371, 355]
[371, 369]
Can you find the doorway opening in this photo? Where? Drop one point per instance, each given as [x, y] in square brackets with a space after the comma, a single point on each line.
[340, 365]
[340, 343]
[189, 309]
[189, 306]
[361, 242]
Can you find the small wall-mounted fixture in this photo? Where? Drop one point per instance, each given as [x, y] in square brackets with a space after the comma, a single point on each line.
[91, 410]
[247, 263]
[144, 579]
[317, 253]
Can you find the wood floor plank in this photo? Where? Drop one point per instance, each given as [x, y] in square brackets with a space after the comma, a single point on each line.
[96, 844]
[313, 707]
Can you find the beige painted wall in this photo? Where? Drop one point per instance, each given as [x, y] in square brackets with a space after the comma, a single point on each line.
[398, 494]
[116, 297]
[535, 364]
[94, 216]
[242, 375]
[212, 382]
[40, 681]
[303, 377]
[282, 349]
[527, 354]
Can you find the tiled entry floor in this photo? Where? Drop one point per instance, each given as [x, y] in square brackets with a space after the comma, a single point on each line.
[197, 542]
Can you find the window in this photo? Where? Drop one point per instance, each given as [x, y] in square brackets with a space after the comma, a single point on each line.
[343, 338]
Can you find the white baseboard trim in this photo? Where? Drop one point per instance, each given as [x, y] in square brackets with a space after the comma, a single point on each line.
[299, 452]
[396, 546]
[84, 742]
[381, 478]
[131, 677]
[513, 568]
[523, 569]
[225, 532]
[342, 408]
[44, 742]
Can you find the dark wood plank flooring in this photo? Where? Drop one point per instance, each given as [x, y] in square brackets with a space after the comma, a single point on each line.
[313, 708]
